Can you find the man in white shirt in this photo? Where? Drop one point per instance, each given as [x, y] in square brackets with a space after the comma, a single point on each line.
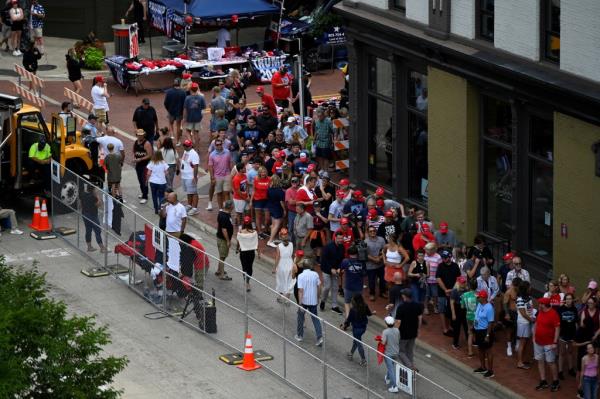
[309, 290]
[176, 218]
[109, 138]
[223, 38]
[517, 271]
[189, 176]
[100, 99]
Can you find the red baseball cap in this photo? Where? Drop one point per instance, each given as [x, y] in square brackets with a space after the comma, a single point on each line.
[544, 301]
[426, 228]
[340, 193]
[373, 213]
[344, 182]
[186, 75]
[482, 294]
[195, 85]
[281, 154]
[187, 143]
[379, 192]
[260, 89]
[508, 256]
[303, 155]
[98, 78]
[380, 203]
[311, 167]
[247, 219]
[357, 194]
[299, 252]
[444, 227]
[344, 221]
[461, 280]
[388, 214]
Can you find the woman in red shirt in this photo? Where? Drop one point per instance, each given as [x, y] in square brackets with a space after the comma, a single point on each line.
[259, 199]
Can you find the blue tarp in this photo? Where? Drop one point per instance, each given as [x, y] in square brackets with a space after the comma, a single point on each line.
[213, 9]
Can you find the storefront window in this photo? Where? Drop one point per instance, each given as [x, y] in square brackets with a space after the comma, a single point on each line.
[380, 148]
[542, 185]
[417, 105]
[497, 119]
[497, 176]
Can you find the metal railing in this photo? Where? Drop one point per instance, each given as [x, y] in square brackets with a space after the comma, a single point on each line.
[319, 372]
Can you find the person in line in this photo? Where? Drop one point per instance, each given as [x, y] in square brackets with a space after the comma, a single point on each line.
[174, 102]
[509, 299]
[432, 260]
[36, 24]
[394, 259]
[17, 20]
[484, 328]
[525, 320]
[277, 209]
[358, 318]
[417, 275]
[157, 177]
[331, 259]
[74, 65]
[568, 328]
[193, 106]
[375, 265]
[303, 225]
[588, 382]
[142, 152]
[224, 237]
[219, 168]
[390, 337]
[258, 199]
[90, 203]
[545, 343]
[468, 301]
[171, 157]
[409, 317]
[189, 162]
[284, 265]
[446, 275]
[354, 271]
[240, 188]
[114, 165]
[12, 218]
[309, 291]
[247, 247]
[458, 313]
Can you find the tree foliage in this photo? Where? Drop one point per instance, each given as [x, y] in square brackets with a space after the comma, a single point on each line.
[44, 352]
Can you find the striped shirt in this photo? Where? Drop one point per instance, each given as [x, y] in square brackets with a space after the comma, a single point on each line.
[309, 281]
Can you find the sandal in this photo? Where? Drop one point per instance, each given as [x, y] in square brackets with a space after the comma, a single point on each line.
[224, 277]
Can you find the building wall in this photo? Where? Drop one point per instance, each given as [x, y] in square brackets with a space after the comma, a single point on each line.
[453, 152]
[580, 37]
[376, 3]
[418, 10]
[517, 27]
[462, 18]
[576, 200]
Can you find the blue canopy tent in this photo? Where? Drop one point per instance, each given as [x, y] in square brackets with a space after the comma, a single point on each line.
[223, 9]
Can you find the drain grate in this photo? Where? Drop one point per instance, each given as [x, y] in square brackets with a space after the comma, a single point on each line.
[46, 67]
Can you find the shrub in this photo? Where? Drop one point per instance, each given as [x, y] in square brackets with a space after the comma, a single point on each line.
[94, 59]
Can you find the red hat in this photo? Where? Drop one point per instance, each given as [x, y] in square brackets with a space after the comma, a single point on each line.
[380, 203]
[344, 182]
[344, 221]
[99, 78]
[373, 213]
[444, 227]
[247, 220]
[281, 155]
[379, 192]
[544, 301]
[195, 86]
[388, 214]
[186, 75]
[260, 89]
[508, 256]
[461, 280]
[357, 194]
[311, 167]
[303, 155]
[426, 228]
[187, 143]
[482, 294]
[299, 252]
[340, 193]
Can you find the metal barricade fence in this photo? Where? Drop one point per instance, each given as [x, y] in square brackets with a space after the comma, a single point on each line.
[185, 291]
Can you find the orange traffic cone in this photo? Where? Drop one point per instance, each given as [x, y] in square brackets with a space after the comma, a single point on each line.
[35, 220]
[44, 224]
[249, 364]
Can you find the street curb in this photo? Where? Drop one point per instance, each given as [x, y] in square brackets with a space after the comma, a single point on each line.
[486, 385]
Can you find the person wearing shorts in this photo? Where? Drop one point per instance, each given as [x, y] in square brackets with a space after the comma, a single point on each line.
[100, 99]
[239, 185]
[173, 102]
[224, 236]
[219, 168]
[524, 321]
[193, 106]
[484, 326]
[545, 343]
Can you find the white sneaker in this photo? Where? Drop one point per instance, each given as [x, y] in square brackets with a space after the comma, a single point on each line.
[188, 207]
[319, 342]
[16, 53]
[509, 352]
[143, 201]
[140, 196]
[16, 232]
[209, 206]
[192, 212]
[298, 338]
[386, 379]
[271, 244]
[393, 389]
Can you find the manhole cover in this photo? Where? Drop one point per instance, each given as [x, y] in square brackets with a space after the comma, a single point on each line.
[7, 72]
[46, 67]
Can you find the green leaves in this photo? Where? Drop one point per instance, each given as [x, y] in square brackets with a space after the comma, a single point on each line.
[44, 353]
[94, 58]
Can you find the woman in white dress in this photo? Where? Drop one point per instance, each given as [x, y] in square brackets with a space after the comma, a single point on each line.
[284, 265]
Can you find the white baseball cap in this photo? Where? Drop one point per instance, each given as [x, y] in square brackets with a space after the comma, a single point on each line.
[389, 320]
